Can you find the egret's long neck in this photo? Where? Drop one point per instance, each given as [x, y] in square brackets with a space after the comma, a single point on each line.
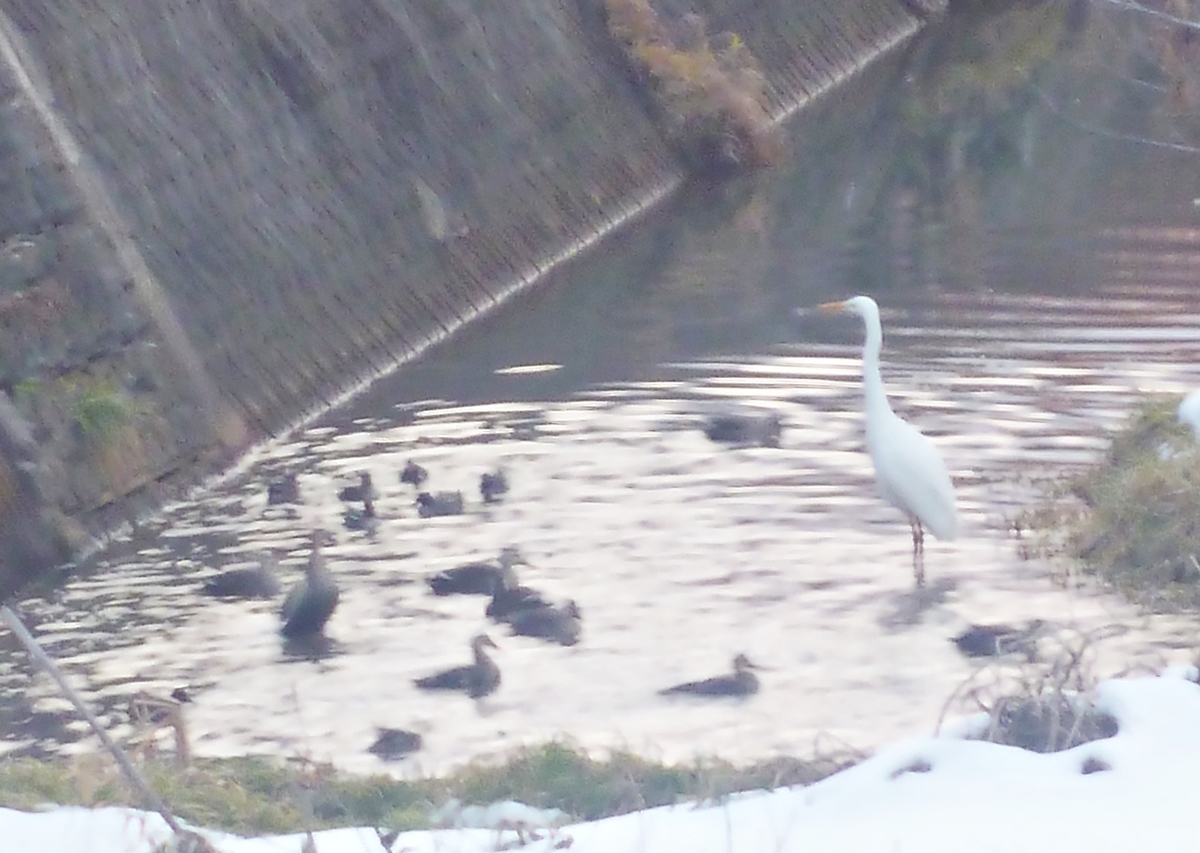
[876, 401]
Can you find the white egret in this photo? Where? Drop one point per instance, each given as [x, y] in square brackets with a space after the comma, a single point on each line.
[1189, 412]
[908, 469]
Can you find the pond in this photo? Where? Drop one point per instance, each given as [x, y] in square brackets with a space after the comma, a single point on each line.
[1036, 273]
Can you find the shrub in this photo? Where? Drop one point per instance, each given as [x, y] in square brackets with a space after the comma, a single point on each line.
[709, 91]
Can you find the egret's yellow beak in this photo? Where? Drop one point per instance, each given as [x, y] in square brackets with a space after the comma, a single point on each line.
[832, 306]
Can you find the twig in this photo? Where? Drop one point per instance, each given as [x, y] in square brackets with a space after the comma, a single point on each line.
[1186, 23]
[1110, 134]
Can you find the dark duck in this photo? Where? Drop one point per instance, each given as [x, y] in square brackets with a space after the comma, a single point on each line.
[391, 744]
[743, 682]
[510, 598]
[364, 518]
[562, 625]
[285, 490]
[413, 474]
[477, 679]
[746, 428]
[478, 578]
[310, 602]
[364, 491]
[253, 582]
[439, 503]
[493, 485]
[979, 641]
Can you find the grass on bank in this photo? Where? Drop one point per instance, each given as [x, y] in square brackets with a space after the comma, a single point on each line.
[251, 796]
[1133, 518]
[1039, 708]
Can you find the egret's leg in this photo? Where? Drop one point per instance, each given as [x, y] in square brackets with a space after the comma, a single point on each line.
[918, 537]
[918, 534]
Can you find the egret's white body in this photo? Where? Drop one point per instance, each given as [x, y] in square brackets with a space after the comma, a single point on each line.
[908, 469]
[1189, 412]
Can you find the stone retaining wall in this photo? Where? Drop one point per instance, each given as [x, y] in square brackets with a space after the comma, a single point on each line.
[219, 216]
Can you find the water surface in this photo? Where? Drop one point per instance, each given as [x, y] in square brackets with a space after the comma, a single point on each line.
[1029, 301]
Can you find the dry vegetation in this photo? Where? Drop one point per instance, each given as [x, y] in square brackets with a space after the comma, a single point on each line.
[708, 89]
[1133, 518]
[1043, 705]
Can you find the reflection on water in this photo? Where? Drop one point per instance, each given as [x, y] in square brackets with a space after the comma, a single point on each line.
[1014, 336]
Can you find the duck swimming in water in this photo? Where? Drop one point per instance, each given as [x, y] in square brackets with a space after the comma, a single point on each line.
[257, 582]
[744, 428]
[439, 503]
[361, 519]
[365, 490]
[743, 682]
[479, 578]
[310, 602]
[477, 679]
[285, 490]
[563, 624]
[492, 485]
[511, 599]
[391, 744]
[413, 474]
[979, 641]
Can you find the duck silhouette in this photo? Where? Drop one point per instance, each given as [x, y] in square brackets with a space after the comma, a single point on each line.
[285, 490]
[477, 578]
[979, 641]
[477, 679]
[252, 582]
[365, 490]
[439, 503]
[311, 602]
[744, 428]
[391, 744]
[743, 682]
[413, 474]
[492, 485]
[361, 519]
[510, 598]
[562, 625]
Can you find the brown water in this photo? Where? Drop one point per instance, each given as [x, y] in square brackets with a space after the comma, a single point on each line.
[1019, 324]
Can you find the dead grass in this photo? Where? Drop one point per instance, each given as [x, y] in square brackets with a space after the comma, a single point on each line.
[1043, 706]
[1133, 518]
[709, 90]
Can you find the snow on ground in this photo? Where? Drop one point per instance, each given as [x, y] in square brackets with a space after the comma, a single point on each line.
[926, 794]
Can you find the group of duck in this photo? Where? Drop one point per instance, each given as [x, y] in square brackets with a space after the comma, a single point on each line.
[361, 514]
[524, 609]
[311, 602]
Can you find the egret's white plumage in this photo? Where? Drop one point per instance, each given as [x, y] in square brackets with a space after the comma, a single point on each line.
[1189, 412]
[909, 470]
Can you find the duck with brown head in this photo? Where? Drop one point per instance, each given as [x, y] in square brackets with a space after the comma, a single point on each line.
[477, 679]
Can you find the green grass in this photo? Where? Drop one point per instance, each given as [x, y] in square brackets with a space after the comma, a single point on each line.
[1133, 518]
[99, 410]
[256, 795]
